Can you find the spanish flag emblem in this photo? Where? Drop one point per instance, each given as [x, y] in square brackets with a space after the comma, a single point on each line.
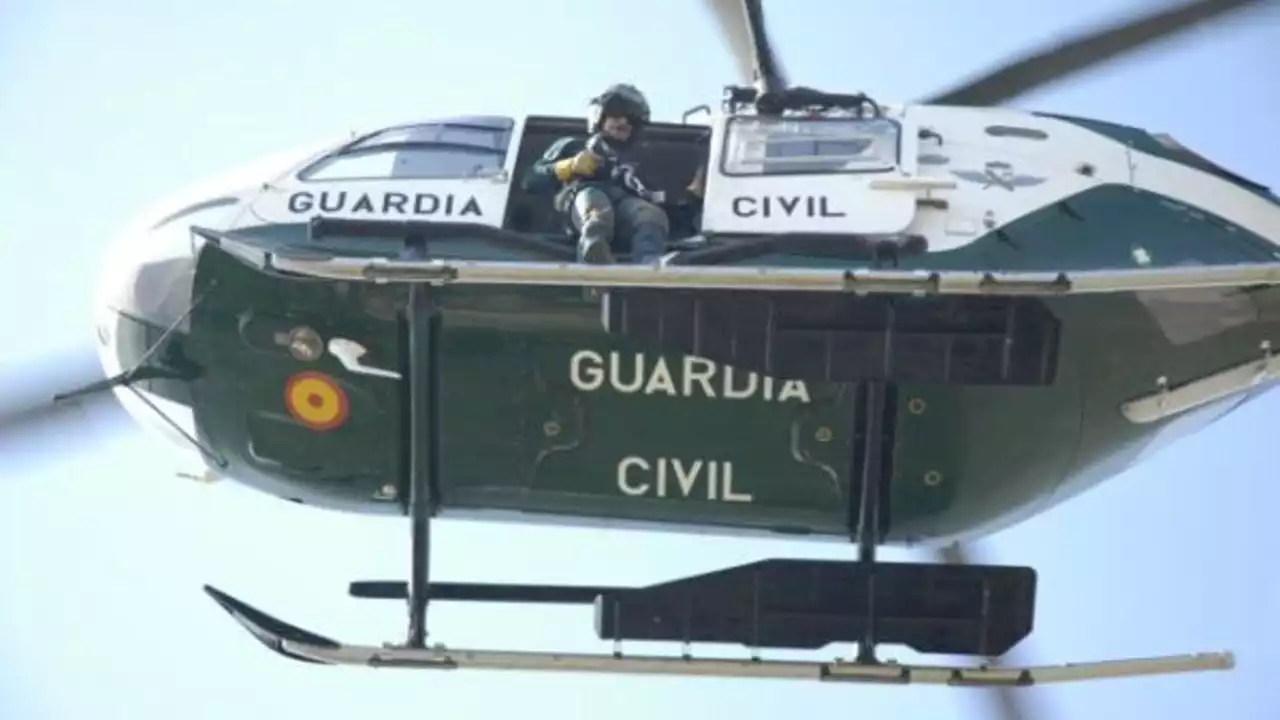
[316, 401]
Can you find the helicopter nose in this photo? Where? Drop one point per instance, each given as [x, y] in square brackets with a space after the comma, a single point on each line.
[141, 316]
[160, 406]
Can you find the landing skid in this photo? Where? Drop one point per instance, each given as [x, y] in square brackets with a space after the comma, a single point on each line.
[974, 610]
[302, 645]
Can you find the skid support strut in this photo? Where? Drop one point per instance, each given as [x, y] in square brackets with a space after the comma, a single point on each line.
[872, 461]
[420, 457]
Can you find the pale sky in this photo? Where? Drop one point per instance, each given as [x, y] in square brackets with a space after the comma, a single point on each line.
[106, 106]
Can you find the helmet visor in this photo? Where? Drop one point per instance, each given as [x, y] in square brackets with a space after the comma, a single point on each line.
[617, 105]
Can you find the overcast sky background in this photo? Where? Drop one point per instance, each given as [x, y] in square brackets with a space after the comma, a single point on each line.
[106, 106]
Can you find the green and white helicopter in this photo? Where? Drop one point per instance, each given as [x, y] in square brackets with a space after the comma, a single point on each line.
[882, 324]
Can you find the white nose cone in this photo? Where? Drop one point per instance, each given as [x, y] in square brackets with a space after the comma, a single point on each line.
[145, 287]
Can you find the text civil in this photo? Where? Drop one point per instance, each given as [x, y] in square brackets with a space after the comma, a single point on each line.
[672, 477]
[771, 206]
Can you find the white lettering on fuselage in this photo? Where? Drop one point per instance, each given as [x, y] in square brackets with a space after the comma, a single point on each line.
[632, 373]
[673, 477]
[787, 206]
[384, 203]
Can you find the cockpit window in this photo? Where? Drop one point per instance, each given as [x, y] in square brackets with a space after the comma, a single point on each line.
[789, 146]
[490, 138]
[423, 162]
[446, 149]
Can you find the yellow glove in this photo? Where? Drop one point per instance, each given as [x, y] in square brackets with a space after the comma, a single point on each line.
[583, 164]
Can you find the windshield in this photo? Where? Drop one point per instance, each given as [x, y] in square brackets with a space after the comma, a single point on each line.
[448, 149]
[788, 146]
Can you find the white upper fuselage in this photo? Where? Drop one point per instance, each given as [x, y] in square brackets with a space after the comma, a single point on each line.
[991, 166]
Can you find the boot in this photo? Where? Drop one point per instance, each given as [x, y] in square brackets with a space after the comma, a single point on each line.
[594, 251]
[647, 246]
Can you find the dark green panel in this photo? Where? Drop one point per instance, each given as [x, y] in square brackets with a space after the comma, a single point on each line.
[237, 328]
[1145, 142]
[525, 425]
[615, 432]
[578, 422]
[523, 431]
[966, 454]
[1102, 227]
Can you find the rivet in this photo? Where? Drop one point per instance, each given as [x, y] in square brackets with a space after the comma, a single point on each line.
[551, 428]
[823, 434]
[916, 406]
[933, 478]
[386, 492]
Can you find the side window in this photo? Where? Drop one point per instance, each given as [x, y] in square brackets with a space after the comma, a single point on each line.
[768, 146]
[445, 149]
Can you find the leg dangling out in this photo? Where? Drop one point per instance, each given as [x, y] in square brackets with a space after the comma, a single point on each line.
[649, 229]
[593, 218]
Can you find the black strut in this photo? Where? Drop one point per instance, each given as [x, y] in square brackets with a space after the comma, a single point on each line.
[874, 424]
[420, 433]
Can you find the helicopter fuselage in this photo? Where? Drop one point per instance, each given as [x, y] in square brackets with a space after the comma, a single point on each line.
[552, 408]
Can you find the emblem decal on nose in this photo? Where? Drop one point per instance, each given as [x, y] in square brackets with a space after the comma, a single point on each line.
[998, 174]
[349, 353]
[316, 401]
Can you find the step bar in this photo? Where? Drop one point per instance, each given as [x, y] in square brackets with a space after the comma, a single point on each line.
[319, 264]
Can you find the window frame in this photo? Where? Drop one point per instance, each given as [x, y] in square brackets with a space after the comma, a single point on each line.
[368, 145]
[726, 147]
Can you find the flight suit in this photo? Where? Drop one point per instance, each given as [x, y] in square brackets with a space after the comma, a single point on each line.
[598, 203]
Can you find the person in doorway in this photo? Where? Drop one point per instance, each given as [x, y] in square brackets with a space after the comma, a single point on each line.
[596, 185]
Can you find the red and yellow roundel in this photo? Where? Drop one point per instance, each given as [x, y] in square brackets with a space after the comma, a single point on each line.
[315, 400]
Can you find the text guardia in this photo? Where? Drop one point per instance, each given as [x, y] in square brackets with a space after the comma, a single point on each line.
[634, 373]
[385, 203]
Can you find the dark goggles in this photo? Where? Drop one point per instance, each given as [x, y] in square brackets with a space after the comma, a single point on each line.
[617, 106]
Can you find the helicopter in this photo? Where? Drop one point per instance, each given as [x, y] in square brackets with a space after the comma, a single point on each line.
[850, 346]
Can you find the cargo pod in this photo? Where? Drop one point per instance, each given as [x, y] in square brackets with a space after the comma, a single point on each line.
[827, 175]
[448, 170]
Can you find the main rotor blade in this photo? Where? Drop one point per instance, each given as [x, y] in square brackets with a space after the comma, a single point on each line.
[1084, 51]
[1005, 703]
[742, 24]
[733, 28]
[27, 388]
